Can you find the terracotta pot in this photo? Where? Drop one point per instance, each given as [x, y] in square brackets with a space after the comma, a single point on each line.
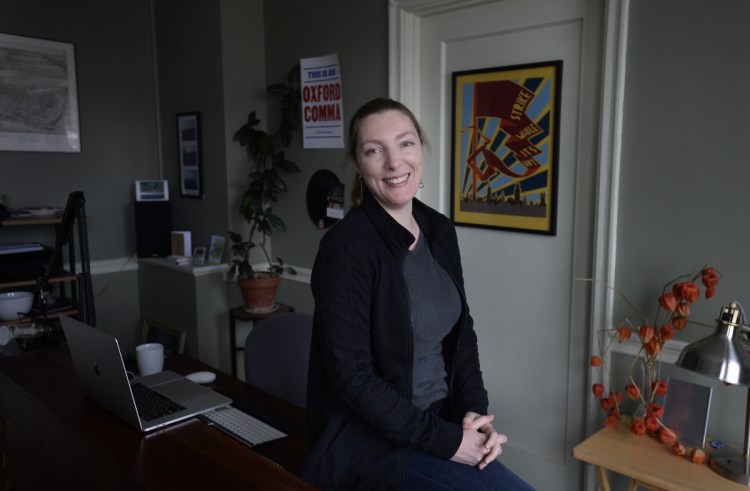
[259, 293]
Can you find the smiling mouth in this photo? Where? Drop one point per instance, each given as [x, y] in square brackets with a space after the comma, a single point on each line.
[397, 180]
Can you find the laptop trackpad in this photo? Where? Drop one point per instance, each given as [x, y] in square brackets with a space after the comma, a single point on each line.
[181, 390]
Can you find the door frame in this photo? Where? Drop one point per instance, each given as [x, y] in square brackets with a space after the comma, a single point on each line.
[404, 84]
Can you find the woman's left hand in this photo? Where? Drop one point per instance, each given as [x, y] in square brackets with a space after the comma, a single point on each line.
[492, 444]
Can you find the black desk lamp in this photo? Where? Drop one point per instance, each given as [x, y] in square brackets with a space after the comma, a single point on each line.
[75, 212]
[724, 356]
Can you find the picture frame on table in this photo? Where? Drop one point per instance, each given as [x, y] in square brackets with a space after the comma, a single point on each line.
[189, 152]
[504, 147]
[686, 410]
[216, 249]
[39, 98]
[172, 339]
[199, 256]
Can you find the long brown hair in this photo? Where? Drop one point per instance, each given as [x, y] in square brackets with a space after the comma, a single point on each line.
[375, 106]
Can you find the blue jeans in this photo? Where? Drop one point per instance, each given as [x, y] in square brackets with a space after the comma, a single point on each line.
[425, 472]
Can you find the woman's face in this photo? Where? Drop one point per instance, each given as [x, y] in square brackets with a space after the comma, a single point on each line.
[389, 158]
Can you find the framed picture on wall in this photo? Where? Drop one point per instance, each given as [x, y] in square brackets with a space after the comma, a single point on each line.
[38, 95]
[505, 138]
[188, 149]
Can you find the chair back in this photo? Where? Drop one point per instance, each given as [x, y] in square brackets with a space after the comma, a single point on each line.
[277, 352]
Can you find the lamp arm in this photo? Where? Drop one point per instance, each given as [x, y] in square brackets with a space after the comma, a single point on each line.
[743, 320]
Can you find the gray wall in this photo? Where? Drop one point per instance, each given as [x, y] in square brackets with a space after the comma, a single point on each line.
[117, 108]
[117, 112]
[188, 46]
[361, 42]
[684, 171]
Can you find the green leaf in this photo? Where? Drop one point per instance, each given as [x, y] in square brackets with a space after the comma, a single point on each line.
[277, 223]
[294, 75]
[287, 165]
[252, 120]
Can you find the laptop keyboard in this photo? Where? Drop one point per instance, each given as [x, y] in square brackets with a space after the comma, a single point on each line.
[151, 404]
[241, 426]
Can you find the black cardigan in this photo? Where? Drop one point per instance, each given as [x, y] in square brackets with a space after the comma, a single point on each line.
[360, 416]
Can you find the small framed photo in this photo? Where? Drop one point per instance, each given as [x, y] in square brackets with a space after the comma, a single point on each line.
[199, 256]
[188, 149]
[151, 190]
[216, 249]
[172, 339]
[686, 408]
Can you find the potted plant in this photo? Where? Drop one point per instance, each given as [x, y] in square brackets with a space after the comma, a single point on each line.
[264, 185]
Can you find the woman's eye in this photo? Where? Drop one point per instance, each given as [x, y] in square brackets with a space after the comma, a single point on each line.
[371, 151]
[407, 143]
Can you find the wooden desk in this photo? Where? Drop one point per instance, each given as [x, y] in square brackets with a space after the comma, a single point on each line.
[647, 462]
[239, 313]
[58, 439]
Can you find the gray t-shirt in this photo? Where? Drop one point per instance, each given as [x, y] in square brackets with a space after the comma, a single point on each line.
[435, 307]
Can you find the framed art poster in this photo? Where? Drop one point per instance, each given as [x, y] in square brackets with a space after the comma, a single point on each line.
[505, 137]
[38, 95]
[188, 148]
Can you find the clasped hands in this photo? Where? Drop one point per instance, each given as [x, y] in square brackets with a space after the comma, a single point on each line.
[480, 444]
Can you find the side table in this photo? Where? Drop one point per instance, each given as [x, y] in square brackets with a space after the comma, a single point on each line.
[239, 313]
[648, 463]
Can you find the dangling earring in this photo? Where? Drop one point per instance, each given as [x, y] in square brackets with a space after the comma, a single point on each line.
[421, 184]
[361, 189]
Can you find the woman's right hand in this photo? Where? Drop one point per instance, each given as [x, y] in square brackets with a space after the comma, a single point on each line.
[480, 443]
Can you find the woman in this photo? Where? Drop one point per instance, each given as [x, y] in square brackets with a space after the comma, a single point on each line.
[395, 394]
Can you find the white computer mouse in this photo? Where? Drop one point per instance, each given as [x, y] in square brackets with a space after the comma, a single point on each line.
[201, 377]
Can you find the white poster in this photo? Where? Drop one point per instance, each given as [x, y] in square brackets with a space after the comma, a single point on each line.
[322, 109]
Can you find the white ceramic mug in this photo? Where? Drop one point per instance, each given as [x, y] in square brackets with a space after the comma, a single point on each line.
[150, 358]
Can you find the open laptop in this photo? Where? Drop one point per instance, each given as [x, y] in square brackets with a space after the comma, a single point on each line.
[98, 361]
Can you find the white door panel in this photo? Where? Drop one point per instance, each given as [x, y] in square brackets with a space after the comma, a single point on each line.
[520, 285]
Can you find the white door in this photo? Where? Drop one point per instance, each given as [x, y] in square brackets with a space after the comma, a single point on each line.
[531, 318]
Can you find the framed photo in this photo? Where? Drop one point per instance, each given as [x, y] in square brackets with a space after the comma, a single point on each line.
[188, 149]
[504, 156]
[151, 190]
[216, 249]
[199, 256]
[686, 409]
[38, 95]
[172, 339]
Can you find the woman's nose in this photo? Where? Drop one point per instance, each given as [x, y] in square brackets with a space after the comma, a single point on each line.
[391, 158]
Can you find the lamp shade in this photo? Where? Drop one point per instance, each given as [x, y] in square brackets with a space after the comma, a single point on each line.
[724, 354]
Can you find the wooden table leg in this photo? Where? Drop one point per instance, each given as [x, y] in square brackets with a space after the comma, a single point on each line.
[635, 485]
[601, 476]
